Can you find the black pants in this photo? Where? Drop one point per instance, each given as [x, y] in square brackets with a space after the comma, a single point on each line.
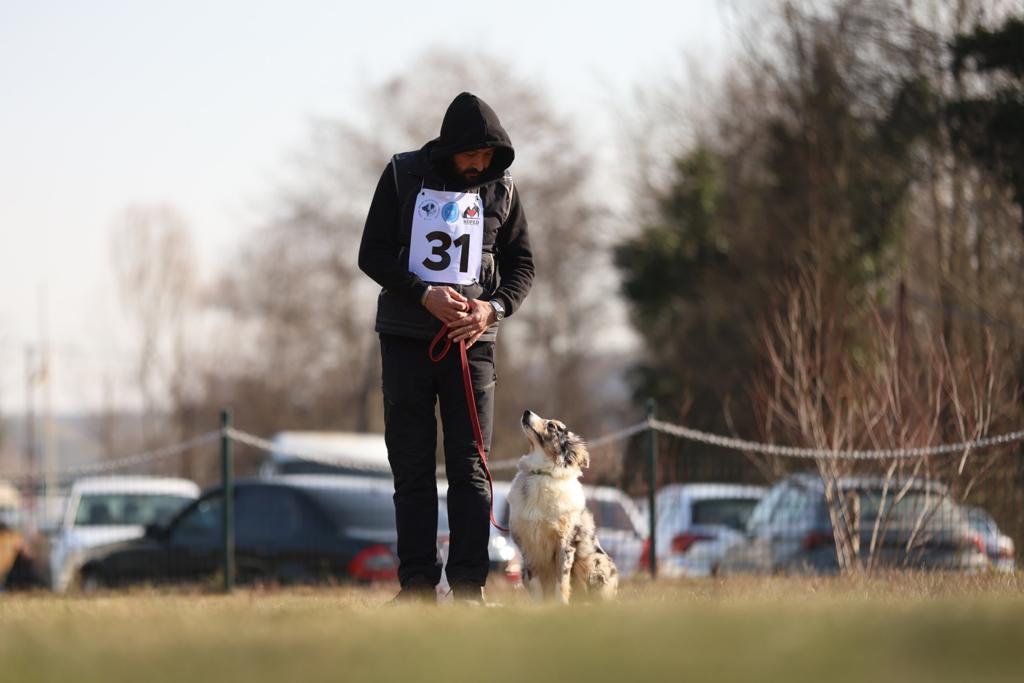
[412, 383]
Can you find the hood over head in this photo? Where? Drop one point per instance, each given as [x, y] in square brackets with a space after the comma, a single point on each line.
[470, 123]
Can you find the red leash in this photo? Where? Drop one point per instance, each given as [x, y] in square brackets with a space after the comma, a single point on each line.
[470, 401]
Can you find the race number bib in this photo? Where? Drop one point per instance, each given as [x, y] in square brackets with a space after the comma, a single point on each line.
[447, 237]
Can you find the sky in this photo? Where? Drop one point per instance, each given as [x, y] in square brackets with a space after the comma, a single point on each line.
[196, 104]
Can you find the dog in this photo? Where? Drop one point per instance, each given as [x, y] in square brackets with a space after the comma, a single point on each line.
[549, 520]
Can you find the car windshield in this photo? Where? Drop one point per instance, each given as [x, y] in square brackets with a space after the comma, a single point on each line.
[127, 509]
[980, 520]
[730, 512]
[610, 514]
[352, 508]
[310, 467]
[916, 508]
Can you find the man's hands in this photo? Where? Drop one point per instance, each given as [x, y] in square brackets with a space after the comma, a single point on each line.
[446, 304]
[466, 318]
[481, 315]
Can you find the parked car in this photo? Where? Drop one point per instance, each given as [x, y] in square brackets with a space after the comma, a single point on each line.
[348, 453]
[998, 546]
[619, 526]
[697, 523]
[790, 531]
[643, 511]
[505, 559]
[104, 510]
[294, 529]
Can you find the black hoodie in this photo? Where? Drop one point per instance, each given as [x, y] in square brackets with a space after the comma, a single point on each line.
[470, 123]
[507, 263]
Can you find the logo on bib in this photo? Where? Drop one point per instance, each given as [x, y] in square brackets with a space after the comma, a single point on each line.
[428, 209]
[450, 212]
[471, 212]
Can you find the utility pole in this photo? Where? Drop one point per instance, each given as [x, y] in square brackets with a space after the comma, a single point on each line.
[46, 377]
[31, 464]
[30, 408]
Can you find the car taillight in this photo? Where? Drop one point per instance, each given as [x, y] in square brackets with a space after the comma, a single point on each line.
[645, 555]
[978, 542]
[376, 563]
[682, 542]
[818, 539]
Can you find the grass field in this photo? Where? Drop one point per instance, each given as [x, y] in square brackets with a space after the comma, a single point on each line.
[918, 628]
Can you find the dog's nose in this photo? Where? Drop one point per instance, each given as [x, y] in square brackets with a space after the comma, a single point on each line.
[526, 415]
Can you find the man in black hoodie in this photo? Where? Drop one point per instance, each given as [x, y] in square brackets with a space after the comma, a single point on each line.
[446, 239]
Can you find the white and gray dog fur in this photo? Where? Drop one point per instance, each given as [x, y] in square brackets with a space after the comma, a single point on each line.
[549, 519]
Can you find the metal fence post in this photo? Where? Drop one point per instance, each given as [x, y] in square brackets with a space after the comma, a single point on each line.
[652, 482]
[228, 484]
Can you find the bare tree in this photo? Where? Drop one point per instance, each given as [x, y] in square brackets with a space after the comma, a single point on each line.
[832, 384]
[154, 260]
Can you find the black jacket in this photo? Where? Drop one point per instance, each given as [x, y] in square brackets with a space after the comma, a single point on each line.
[506, 270]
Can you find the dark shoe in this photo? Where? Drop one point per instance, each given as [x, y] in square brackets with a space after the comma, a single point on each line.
[468, 595]
[416, 592]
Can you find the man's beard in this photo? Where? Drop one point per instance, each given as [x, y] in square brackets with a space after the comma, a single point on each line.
[467, 176]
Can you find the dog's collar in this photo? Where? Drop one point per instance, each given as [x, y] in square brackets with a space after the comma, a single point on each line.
[546, 473]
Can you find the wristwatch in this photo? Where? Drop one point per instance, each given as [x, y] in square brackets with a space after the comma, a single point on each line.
[499, 309]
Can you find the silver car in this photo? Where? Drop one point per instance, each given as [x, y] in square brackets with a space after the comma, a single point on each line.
[790, 531]
[619, 526]
[698, 523]
[106, 510]
[998, 546]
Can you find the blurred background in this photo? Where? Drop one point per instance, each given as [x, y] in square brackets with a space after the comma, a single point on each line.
[793, 221]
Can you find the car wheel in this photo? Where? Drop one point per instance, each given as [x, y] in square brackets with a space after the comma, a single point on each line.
[88, 582]
[294, 574]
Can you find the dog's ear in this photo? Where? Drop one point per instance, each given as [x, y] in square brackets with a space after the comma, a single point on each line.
[576, 451]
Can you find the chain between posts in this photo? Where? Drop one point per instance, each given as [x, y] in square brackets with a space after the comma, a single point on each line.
[311, 455]
[600, 442]
[128, 460]
[679, 431]
[841, 454]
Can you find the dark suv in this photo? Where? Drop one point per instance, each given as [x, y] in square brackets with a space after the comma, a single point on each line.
[910, 524]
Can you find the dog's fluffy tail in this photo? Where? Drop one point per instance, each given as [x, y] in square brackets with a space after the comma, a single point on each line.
[594, 573]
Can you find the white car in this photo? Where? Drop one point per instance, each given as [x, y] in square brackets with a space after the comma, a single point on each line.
[697, 523]
[505, 559]
[103, 510]
[347, 453]
[619, 526]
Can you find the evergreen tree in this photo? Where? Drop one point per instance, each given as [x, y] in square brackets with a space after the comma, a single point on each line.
[991, 124]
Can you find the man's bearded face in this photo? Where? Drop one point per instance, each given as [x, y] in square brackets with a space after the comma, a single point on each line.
[472, 164]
